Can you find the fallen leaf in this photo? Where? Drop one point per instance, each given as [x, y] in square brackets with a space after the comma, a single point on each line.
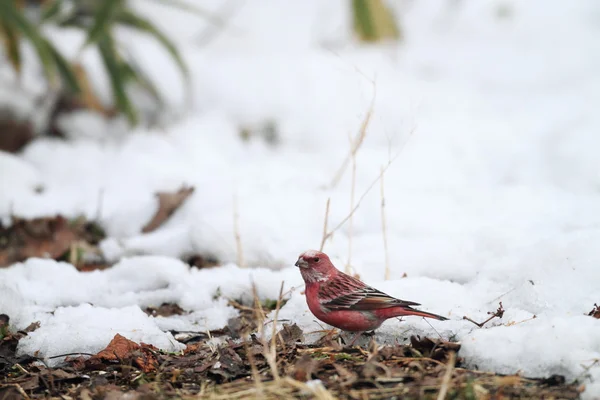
[16, 133]
[291, 334]
[122, 349]
[200, 261]
[48, 237]
[304, 368]
[164, 310]
[119, 348]
[168, 203]
[434, 348]
[229, 365]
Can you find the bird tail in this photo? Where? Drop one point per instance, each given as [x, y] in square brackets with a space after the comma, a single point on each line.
[418, 313]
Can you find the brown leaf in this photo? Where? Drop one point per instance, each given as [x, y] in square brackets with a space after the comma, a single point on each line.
[291, 334]
[164, 310]
[168, 203]
[200, 261]
[49, 237]
[434, 348]
[15, 133]
[595, 311]
[241, 325]
[121, 348]
[304, 368]
[31, 382]
[229, 365]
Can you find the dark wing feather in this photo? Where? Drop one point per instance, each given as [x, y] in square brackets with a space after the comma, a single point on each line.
[346, 292]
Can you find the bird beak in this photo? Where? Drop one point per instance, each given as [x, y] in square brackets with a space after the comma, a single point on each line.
[301, 263]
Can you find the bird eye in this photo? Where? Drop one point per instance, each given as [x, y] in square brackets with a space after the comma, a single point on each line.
[316, 259]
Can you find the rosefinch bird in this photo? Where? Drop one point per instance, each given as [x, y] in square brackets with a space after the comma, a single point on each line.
[345, 302]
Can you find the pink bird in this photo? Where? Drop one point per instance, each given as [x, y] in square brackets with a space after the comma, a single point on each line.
[345, 302]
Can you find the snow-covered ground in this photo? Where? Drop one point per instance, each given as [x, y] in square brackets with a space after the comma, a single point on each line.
[494, 197]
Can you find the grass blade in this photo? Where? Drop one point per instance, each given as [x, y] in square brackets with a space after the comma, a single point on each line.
[9, 14]
[65, 70]
[102, 20]
[373, 21]
[12, 45]
[134, 21]
[110, 57]
[50, 10]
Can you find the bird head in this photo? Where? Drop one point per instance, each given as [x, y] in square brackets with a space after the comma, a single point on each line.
[315, 266]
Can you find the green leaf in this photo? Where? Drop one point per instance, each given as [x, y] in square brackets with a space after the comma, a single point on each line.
[373, 21]
[12, 45]
[51, 10]
[9, 14]
[102, 20]
[133, 73]
[128, 18]
[110, 57]
[65, 70]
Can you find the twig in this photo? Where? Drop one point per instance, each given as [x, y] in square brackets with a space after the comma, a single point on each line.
[447, 376]
[358, 141]
[236, 232]
[71, 354]
[277, 307]
[351, 221]
[269, 352]
[520, 322]
[343, 221]
[255, 375]
[325, 236]
[384, 231]
[19, 389]
[499, 313]
[362, 197]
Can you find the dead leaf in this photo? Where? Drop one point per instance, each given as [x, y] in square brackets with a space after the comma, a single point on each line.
[168, 203]
[32, 327]
[595, 311]
[15, 133]
[48, 237]
[304, 368]
[229, 365]
[201, 261]
[291, 334]
[120, 349]
[241, 325]
[164, 310]
[434, 348]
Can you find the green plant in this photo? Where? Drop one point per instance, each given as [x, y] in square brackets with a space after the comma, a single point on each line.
[373, 21]
[99, 19]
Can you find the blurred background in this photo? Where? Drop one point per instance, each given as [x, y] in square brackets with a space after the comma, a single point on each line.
[487, 109]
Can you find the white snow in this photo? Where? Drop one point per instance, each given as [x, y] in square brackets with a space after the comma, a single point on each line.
[494, 197]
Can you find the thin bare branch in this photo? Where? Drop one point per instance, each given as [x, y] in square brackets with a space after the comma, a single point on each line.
[384, 230]
[325, 222]
[447, 376]
[236, 232]
[358, 141]
[351, 221]
[366, 192]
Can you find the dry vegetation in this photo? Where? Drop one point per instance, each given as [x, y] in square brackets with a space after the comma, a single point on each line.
[256, 366]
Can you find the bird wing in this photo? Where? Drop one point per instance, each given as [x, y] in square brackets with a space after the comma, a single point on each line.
[347, 292]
